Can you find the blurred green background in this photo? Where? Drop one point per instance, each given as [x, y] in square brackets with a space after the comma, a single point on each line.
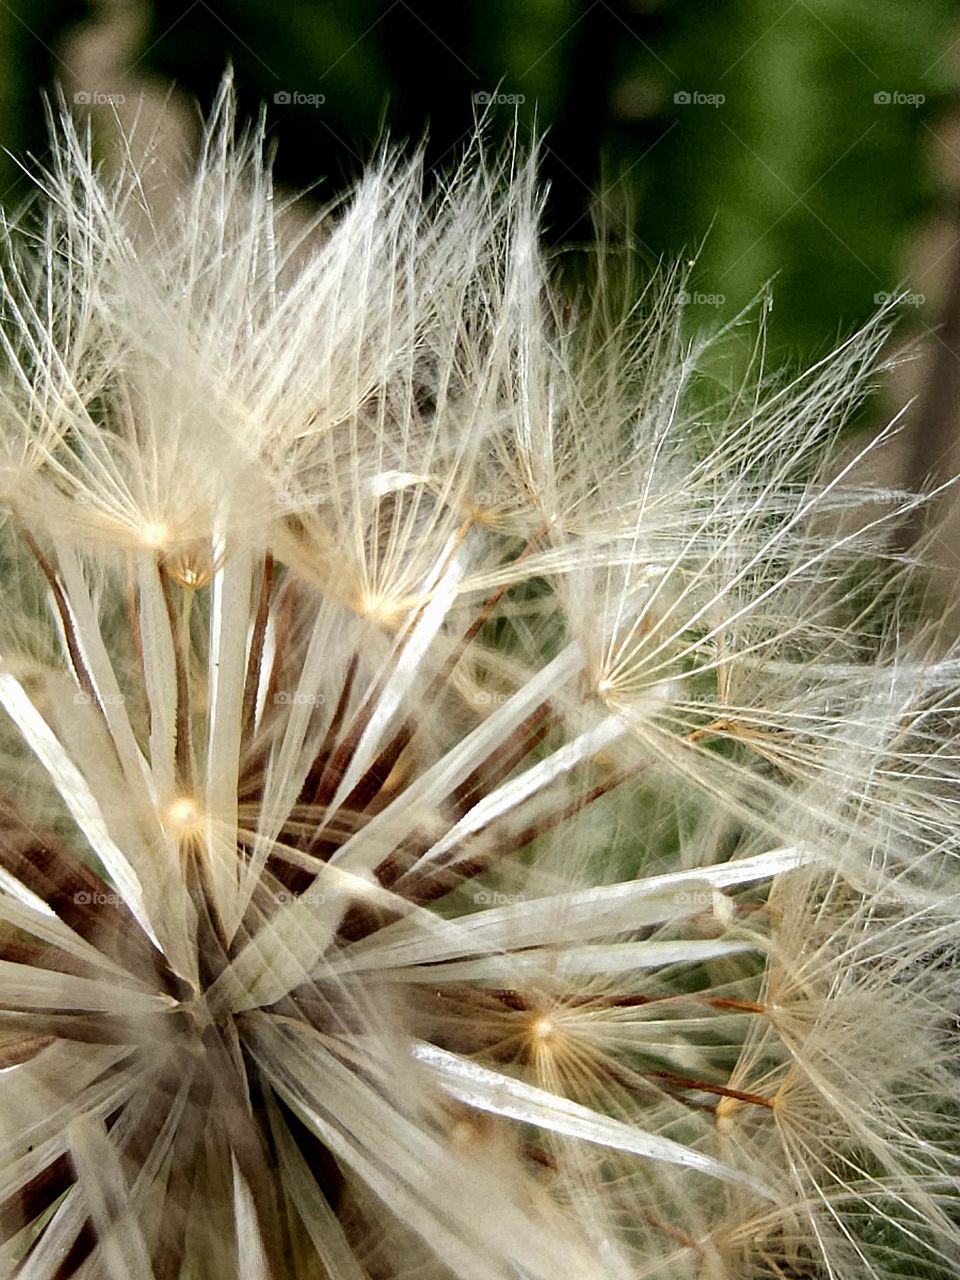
[798, 141]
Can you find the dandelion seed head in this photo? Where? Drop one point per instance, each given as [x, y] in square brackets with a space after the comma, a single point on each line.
[454, 819]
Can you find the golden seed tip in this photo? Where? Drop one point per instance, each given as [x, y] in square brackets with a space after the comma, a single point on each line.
[183, 811]
[543, 1028]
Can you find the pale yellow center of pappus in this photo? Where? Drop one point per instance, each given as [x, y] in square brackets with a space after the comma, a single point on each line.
[194, 566]
[380, 608]
[726, 1108]
[154, 534]
[543, 1029]
[606, 689]
[478, 513]
[183, 814]
[190, 576]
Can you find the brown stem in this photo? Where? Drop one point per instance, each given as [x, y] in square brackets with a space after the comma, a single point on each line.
[181, 641]
[704, 1086]
[84, 679]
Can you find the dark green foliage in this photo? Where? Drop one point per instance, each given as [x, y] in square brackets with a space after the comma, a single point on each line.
[798, 175]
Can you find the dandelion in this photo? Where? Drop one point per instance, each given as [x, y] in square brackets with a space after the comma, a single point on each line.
[466, 809]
